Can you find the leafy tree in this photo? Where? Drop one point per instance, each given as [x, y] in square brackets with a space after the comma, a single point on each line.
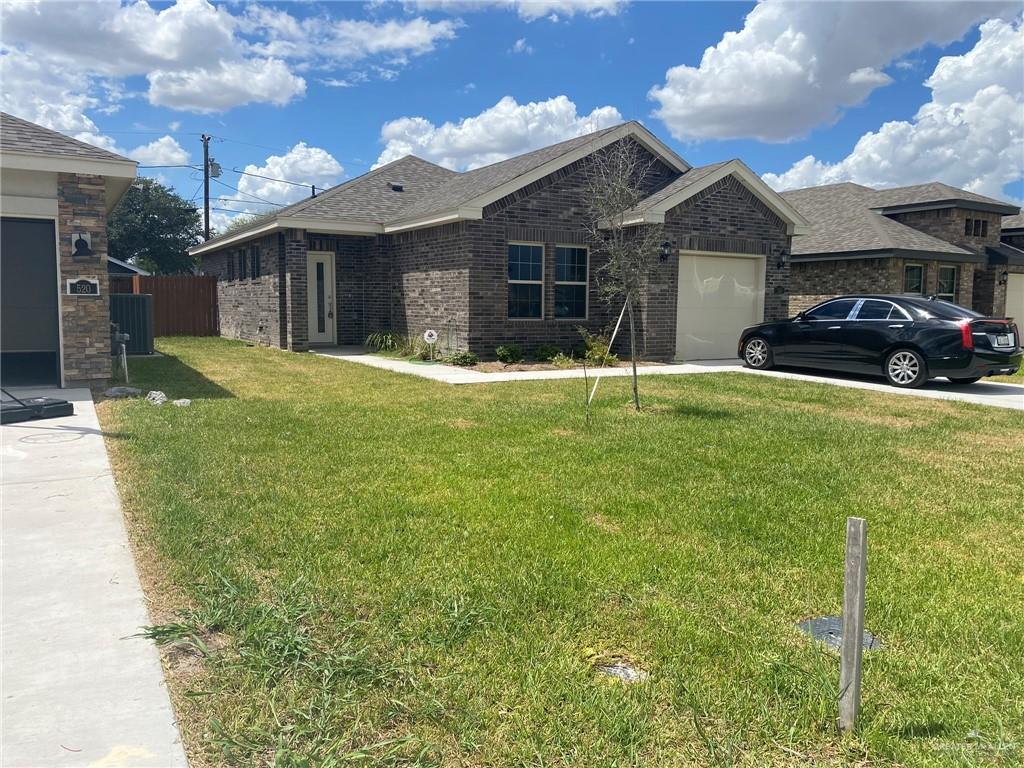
[244, 220]
[154, 227]
[615, 185]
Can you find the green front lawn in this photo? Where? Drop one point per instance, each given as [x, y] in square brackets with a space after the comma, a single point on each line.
[371, 569]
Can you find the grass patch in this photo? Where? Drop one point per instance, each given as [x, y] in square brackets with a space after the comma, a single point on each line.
[365, 568]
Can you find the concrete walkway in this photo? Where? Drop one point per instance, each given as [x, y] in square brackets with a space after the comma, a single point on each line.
[77, 690]
[983, 393]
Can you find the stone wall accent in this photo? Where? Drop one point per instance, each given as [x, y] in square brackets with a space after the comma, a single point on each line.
[249, 308]
[85, 320]
[296, 305]
[948, 224]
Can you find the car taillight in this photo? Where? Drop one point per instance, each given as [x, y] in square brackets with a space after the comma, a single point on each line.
[965, 334]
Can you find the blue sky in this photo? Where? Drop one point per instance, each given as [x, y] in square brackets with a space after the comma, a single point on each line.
[930, 90]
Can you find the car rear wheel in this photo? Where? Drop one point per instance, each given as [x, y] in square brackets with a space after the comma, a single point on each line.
[757, 353]
[969, 380]
[905, 368]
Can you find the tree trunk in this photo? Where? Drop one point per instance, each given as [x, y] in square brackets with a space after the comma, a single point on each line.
[632, 352]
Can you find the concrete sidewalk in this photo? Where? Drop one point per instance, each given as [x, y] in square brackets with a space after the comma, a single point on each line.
[984, 392]
[77, 689]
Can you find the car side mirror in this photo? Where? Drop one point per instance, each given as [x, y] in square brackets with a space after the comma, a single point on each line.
[800, 316]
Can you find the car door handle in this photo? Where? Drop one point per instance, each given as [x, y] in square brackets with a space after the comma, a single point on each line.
[896, 325]
[834, 328]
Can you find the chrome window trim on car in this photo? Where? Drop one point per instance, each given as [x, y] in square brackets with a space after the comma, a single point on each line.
[892, 305]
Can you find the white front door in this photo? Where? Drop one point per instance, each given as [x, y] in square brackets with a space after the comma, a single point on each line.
[320, 293]
[719, 296]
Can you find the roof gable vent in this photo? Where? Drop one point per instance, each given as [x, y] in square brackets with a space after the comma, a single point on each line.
[396, 187]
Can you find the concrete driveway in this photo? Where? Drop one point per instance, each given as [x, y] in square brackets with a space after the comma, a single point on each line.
[78, 690]
[984, 392]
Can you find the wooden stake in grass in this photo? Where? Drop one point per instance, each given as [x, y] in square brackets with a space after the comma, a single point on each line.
[853, 621]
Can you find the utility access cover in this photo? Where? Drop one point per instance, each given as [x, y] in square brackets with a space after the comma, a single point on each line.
[829, 630]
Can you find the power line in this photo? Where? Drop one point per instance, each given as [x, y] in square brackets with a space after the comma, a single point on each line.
[243, 192]
[193, 167]
[271, 178]
[254, 202]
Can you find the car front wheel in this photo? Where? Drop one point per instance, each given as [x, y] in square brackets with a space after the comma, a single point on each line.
[905, 368]
[757, 353]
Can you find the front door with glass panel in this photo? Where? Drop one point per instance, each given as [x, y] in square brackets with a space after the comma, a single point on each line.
[320, 284]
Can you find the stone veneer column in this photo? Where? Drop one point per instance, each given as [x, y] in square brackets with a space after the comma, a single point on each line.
[296, 304]
[85, 320]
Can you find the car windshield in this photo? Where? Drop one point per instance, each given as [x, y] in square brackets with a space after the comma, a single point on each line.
[945, 310]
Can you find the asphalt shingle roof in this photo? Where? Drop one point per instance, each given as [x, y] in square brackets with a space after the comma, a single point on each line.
[842, 220]
[370, 197]
[471, 184]
[1014, 222]
[688, 179]
[932, 192]
[17, 135]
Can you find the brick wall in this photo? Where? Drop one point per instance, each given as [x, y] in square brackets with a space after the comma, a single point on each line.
[814, 281]
[726, 218]
[249, 308]
[948, 224]
[85, 320]
[989, 295]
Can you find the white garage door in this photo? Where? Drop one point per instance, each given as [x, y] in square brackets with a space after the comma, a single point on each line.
[1015, 298]
[718, 297]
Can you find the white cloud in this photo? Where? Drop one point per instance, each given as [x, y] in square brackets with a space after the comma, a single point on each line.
[970, 135]
[225, 85]
[504, 130]
[529, 10]
[61, 60]
[521, 46]
[163, 151]
[795, 66]
[343, 40]
[301, 164]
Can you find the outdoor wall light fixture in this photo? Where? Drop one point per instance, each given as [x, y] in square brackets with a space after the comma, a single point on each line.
[666, 250]
[783, 258]
[1004, 277]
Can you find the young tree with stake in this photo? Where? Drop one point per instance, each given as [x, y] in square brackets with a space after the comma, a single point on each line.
[615, 185]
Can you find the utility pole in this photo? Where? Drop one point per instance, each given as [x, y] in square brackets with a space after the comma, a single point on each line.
[206, 186]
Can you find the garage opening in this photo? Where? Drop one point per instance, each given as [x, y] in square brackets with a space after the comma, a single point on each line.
[29, 321]
[719, 296]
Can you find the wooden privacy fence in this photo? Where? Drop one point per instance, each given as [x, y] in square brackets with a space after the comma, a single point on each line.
[183, 305]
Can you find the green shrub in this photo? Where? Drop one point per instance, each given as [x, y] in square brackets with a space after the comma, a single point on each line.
[463, 359]
[384, 341]
[595, 349]
[562, 360]
[547, 352]
[509, 353]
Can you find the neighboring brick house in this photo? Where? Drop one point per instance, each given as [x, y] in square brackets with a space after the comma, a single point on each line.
[929, 239]
[500, 254]
[56, 195]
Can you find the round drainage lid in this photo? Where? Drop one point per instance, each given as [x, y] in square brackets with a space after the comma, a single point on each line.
[829, 630]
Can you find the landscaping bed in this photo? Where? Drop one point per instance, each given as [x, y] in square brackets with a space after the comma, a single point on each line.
[352, 567]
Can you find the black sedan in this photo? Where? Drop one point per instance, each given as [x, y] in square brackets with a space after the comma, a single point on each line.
[907, 339]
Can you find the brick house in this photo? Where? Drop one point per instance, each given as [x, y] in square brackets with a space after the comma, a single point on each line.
[500, 255]
[929, 239]
[56, 195]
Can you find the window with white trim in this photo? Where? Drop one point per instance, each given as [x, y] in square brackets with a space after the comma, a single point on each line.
[571, 264]
[947, 283]
[525, 281]
[913, 278]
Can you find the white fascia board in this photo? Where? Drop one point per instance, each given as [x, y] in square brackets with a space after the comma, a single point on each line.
[248, 234]
[66, 164]
[330, 226]
[797, 224]
[326, 226]
[638, 132]
[435, 219]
